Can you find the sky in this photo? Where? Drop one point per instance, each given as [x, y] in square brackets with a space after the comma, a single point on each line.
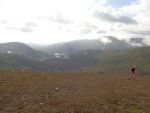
[54, 21]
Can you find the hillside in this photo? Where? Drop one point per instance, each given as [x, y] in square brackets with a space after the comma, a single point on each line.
[74, 62]
[21, 49]
[106, 62]
[42, 92]
[13, 61]
[121, 61]
[110, 61]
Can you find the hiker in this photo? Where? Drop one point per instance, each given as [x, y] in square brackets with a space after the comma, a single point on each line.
[132, 72]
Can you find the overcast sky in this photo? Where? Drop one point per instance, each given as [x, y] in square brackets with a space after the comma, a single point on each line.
[52, 21]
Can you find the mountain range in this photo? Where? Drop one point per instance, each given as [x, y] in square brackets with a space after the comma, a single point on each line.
[116, 56]
[95, 44]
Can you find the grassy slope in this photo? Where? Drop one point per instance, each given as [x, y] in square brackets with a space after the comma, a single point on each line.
[13, 61]
[121, 61]
[36, 92]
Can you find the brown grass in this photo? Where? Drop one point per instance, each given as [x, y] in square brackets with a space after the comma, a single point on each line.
[42, 92]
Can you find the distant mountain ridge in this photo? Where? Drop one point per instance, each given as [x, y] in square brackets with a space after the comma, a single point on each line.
[76, 46]
[20, 56]
[20, 49]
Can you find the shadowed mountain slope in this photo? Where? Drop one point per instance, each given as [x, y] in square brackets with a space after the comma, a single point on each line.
[20, 49]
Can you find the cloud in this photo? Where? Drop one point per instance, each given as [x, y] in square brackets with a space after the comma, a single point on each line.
[111, 18]
[100, 31]
[140, 10]
[26, 29]
[142, 32]
[85, 31]
[23, 29]
[29, 27]
[1, 2]
[59, 19]
[146, 41]
[90, 25]
[87, 28]
[105, 40]
[136, 40]
[31, 24]
[12, 28]
[73, 20]
[3, 22]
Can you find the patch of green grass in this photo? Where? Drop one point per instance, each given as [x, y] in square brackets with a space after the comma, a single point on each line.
[135, 109]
